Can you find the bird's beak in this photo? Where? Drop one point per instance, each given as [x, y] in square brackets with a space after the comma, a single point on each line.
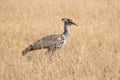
[75, 24]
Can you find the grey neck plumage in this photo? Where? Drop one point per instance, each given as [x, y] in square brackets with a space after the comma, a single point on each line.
[66, 30]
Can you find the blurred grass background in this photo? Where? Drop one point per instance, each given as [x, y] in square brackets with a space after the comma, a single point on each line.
[91, 53]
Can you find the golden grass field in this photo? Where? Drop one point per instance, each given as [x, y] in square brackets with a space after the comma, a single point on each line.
[91, 53]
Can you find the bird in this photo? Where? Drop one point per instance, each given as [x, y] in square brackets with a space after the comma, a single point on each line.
[52, 42]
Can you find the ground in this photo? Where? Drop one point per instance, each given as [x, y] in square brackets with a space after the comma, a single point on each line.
[91, 53]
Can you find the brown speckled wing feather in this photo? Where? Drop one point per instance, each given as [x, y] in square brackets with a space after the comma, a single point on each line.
[49, 41]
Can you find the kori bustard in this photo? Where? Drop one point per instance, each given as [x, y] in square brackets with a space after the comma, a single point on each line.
[52, 42]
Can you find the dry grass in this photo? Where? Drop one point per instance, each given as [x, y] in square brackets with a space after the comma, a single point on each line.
[92, 51]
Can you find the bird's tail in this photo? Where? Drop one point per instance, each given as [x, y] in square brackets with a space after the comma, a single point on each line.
[27, 49]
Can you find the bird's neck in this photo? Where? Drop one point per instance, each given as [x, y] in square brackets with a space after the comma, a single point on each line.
[66, 30]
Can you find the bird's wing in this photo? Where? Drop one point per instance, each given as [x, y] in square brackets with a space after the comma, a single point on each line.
[54, 41]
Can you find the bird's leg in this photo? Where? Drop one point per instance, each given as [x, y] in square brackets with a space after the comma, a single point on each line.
[52, 54]
[49, 50]
[46, 53]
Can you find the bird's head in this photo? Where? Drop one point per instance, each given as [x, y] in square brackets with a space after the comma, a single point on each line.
[68, 21]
